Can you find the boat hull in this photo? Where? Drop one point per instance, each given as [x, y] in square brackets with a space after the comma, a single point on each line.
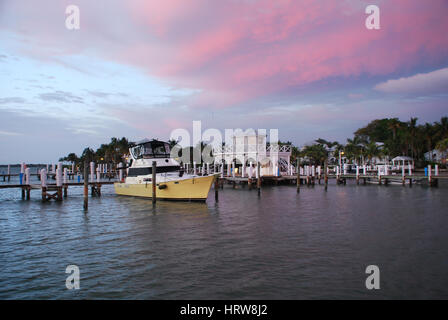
[194, 189]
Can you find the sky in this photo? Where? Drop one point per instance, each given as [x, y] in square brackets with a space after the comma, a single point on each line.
[142, 68]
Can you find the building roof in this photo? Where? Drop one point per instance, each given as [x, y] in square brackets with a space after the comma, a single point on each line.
[402, 158]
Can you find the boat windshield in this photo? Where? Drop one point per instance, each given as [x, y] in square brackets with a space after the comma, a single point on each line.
[151, 149]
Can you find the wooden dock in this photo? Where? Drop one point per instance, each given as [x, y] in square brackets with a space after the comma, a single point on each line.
[60, 192]
[340, 179]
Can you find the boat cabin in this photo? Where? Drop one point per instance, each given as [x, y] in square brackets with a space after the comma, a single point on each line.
[148, 149]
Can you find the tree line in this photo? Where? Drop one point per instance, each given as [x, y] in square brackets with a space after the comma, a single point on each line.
[383, 138]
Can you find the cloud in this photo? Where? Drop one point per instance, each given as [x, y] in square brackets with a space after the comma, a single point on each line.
[240, 50]
[102, 94]
[10, 100]
[422, 83]
[61, 96]
[9, 133]
[99, 94]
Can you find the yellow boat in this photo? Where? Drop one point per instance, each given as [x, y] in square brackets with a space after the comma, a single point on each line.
[171, 181]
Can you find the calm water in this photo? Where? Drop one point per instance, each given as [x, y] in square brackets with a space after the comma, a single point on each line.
[282, 245]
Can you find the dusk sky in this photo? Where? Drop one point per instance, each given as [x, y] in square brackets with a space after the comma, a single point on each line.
[142, 68]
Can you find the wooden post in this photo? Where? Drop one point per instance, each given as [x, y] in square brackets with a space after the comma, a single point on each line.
[92, 171]
[43, 181]
[28, 182]
[65, 181]
[22, 173]
[120, 172]
[249, 180]
[259, 179]
[326, 174]
[86, 186]
[9, 172]
[429, 175]
[403, 177]
[357, 174]
[59, 182]
[98, 174]
[298, 176]
[154, 182]
[319, 175]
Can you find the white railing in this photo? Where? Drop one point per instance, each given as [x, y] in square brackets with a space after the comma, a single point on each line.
[277, 148]
[250, 148]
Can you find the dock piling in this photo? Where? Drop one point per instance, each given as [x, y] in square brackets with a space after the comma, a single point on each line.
[86, 187]
[298, 176]
[28, 182]
[59, 182]
[326, 174]
[65, 182]
[43, 181]
[154, 182]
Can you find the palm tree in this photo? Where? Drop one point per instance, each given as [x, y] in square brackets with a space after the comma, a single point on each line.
[372, 151]
[442, 146]
[394, 125]
[413, 131]
[428, 132]
[316, 154]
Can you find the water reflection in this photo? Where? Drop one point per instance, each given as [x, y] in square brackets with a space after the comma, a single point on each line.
[315, 244]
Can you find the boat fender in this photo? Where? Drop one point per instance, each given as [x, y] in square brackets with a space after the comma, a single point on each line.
[162, 186]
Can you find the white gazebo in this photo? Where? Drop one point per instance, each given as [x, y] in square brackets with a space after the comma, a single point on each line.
[402, 161]
[248, 149]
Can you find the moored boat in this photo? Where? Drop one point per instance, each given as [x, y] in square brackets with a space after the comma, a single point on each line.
[172, 183]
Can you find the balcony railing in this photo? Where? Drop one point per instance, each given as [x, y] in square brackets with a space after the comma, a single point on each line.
[251, 148]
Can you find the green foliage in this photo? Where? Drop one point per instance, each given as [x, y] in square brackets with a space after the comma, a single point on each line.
[112, 152]
[383, 137]
[315, 154]
[404, 138]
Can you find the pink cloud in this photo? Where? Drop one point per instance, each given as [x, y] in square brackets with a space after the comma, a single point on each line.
[238, 50]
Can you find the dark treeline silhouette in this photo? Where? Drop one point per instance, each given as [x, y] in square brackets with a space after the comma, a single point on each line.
[385, 138]
[112, 153]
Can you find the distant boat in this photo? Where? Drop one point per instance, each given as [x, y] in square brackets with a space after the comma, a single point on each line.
[172, 183]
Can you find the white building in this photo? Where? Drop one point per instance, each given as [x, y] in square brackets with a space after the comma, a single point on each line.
[247, 149]
[436, 156]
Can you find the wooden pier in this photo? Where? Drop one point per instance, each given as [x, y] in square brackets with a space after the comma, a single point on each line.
[59, 190]
[340, 179]
[306, 175]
